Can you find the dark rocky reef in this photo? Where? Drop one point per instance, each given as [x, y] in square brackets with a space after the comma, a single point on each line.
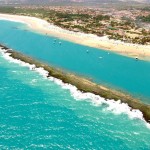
[85, 85]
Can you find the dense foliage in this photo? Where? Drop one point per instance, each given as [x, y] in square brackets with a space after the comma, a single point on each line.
[144, 18]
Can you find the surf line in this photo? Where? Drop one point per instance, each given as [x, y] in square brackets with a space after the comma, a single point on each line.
[82, 84]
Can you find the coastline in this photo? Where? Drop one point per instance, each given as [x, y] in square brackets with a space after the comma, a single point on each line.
[82, 84]
[42, 26]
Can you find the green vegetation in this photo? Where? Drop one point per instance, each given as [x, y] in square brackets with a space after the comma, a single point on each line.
[146, 9]
[102, 17]
[144, 18]
[88, 22]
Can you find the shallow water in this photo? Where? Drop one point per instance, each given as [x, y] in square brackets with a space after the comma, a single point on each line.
[112, 70]
[36, 113]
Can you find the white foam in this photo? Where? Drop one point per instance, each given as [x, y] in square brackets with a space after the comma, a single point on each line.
[114, 106]
[147, 124]
[41, 71]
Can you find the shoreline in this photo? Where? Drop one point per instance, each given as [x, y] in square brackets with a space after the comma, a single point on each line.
[41, 26]
[84, 85]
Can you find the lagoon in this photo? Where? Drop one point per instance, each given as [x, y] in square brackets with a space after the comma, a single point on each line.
[109, 69]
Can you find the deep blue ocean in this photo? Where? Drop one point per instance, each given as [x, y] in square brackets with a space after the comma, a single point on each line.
[36, 113]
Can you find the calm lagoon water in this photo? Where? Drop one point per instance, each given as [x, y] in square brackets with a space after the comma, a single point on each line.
[36, 113]
[112, 70]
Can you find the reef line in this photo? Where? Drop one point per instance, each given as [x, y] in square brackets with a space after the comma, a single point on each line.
[83, 84]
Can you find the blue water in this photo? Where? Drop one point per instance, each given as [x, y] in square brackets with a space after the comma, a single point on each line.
[112, 70]
[36, 113]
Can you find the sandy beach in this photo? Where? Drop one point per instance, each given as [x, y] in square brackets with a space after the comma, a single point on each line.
[42, 26]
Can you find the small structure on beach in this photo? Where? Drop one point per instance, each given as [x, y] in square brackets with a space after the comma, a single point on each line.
[136, 58]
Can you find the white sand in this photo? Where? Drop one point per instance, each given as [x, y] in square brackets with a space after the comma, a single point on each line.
[42, 26]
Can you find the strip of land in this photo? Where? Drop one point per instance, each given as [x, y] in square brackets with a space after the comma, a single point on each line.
[85, 85]
[42, 26]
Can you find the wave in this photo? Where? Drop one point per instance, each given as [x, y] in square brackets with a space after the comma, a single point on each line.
[117, 107]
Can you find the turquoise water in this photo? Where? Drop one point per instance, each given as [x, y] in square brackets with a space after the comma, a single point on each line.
[36, 113]
[112, 70]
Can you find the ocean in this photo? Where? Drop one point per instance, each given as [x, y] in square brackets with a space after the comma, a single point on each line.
[41, 113]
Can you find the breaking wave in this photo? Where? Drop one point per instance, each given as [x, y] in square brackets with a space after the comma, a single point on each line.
[117, 107]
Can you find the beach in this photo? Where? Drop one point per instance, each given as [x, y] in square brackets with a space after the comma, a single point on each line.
[82, 84]
[68, 95]
[42, 26]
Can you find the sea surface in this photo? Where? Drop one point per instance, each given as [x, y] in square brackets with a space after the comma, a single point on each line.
[37, 113]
